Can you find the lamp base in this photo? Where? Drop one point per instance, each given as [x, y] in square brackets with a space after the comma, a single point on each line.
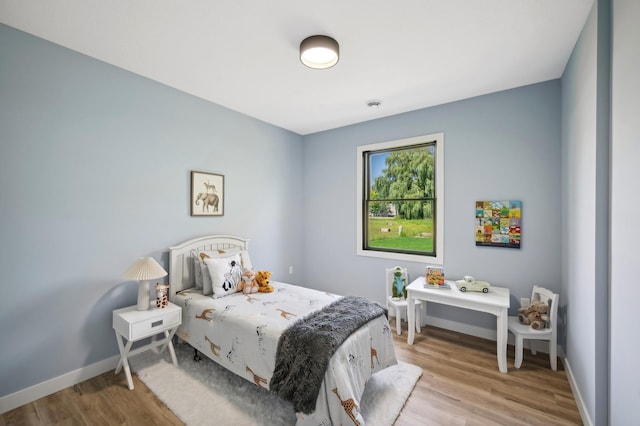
[143, 296]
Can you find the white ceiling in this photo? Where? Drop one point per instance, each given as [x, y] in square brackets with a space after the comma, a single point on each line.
[243, 54]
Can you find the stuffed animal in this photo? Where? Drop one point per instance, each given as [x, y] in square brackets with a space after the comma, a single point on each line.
[261, 279]
[399, 289]
[535, 315]
[248, 284]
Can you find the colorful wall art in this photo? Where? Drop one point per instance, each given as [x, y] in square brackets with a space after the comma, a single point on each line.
[499, 223]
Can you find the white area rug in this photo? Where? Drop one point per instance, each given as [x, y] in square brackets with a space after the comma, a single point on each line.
[204, 393]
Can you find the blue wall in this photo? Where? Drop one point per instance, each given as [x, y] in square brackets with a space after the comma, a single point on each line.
[585, 167]
[94, 172]
[624, 398]
[504, 145]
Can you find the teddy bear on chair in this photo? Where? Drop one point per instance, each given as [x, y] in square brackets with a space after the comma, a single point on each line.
[535, 315]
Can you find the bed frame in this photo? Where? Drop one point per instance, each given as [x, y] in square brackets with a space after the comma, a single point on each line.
[181, 274]
[182, 277]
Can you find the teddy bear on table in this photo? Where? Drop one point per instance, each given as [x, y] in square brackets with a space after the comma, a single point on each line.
[535, 315]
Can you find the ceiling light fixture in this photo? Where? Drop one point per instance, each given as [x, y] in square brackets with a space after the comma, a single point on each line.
[319, 52]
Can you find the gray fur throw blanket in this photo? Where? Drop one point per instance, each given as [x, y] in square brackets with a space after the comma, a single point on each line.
[304, 349]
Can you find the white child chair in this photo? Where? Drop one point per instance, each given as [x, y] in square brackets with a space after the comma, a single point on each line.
[522, 331]
[399, 306]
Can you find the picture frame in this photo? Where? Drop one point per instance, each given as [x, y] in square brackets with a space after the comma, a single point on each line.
[498, 223]
[207, 194]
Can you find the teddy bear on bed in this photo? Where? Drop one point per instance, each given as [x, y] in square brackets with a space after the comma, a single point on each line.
[248, 284]
[535, 315]
[261, 279]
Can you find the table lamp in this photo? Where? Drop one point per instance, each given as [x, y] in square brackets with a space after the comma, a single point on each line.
[144, 270]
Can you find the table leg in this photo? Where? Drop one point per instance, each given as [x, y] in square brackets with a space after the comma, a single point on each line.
[501, 340]
[172, 352]
[127, 373]
[121, 349]
[411, 313]
[124, 362]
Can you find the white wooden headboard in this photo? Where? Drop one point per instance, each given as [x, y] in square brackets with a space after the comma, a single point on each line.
[181, 274]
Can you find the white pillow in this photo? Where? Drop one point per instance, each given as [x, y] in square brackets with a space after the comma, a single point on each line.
[197, 269]
[245, 259]
[201, 256]
[225, 273]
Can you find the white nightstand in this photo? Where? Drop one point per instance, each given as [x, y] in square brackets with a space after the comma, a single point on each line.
[132, 325]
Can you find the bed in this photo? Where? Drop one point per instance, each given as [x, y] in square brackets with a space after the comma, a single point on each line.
[251, 334]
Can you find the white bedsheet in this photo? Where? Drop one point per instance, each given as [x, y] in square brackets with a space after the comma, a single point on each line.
[241, 332]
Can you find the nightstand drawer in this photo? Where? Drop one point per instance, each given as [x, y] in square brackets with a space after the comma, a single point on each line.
[134, 325]
[155, 325]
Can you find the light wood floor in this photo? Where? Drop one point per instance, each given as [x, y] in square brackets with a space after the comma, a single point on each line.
[460, 385]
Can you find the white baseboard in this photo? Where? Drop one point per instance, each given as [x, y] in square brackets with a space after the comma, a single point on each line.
[463, 328]
[582, 408]
[486, 333]
[32, 393]
[459, 327]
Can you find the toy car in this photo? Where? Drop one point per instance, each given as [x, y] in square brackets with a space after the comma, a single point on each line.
[472, 285]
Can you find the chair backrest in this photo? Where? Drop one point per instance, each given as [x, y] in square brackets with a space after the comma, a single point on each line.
[551, 299]
[390, 278]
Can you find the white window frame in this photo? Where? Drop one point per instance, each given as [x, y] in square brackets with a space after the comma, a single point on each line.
[438, 259]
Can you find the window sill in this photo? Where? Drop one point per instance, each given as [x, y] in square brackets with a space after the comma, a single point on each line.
[431, 260]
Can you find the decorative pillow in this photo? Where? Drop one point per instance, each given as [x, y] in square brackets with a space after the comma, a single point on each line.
[225, 273]
[197, 269]
[201, 256]
[245, 259]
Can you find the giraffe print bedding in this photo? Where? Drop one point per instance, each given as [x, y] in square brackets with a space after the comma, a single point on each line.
[241, 332]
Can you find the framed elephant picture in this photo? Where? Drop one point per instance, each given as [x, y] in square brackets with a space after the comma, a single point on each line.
[207, 194]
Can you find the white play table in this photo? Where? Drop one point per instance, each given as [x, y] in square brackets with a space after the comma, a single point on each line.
[495, 302]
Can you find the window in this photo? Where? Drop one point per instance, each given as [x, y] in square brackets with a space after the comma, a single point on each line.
[400, 199]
